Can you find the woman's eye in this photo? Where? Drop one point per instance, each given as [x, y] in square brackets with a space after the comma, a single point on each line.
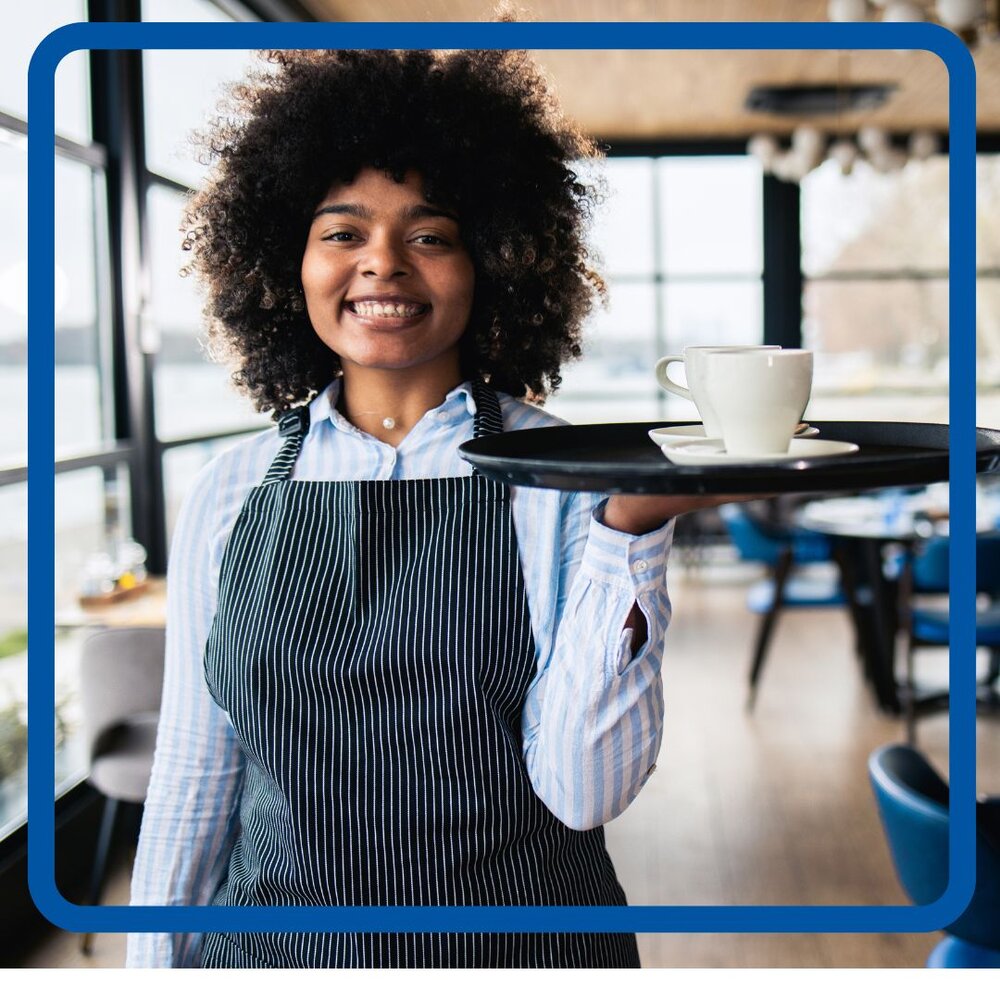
[339, 237]
[429, 239]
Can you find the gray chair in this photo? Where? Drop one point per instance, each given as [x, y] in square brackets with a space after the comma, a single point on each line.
[121, 681]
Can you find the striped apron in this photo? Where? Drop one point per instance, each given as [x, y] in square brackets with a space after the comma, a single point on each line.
[372, 648]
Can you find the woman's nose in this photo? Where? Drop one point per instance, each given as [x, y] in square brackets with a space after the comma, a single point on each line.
[384, 257]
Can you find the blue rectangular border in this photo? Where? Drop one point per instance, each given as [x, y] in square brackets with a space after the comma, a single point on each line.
[576, 35]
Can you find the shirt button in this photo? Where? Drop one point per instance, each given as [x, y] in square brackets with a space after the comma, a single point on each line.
[641, 566]
[443, 417]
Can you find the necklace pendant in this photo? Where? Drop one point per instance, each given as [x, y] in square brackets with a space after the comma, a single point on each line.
[388, 423]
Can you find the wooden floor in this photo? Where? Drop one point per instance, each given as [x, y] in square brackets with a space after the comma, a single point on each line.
[768, 808]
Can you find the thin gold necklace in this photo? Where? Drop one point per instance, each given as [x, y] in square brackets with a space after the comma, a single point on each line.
[387, 422]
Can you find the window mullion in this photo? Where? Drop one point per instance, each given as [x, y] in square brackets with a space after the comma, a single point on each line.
[117, 115]
[782, 263]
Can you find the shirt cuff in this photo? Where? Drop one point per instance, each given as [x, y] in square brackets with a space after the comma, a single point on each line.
[632, 562]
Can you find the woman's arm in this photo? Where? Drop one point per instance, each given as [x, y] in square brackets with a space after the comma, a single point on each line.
[191, 816]
[593, 718]
[637, 515]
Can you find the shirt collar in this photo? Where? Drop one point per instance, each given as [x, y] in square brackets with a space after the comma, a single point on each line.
[457, 404]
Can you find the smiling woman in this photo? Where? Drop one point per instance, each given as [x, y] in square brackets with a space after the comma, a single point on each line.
[514, 202]
[391, 681]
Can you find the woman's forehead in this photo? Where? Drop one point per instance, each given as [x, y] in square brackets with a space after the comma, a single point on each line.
[377, 187]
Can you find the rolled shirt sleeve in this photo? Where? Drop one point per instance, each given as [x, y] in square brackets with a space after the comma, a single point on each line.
[593, 718]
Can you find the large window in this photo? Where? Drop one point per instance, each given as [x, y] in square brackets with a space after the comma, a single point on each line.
[875, 302]
[81, 294]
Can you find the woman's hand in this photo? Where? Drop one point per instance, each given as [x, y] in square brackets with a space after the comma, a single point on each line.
[639, 514]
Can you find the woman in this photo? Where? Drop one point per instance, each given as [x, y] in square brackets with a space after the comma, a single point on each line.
[391, 681]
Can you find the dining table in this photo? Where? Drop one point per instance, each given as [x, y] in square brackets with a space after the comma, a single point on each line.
[872, 535]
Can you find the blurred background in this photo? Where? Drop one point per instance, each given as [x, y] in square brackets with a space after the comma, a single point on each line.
[793, 198]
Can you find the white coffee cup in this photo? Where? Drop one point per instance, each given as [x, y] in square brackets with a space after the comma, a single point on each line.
[693, 360]
[758, 397]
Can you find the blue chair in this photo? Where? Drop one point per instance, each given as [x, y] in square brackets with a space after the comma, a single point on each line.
[927, 573]
[912, 801]
[781, 549]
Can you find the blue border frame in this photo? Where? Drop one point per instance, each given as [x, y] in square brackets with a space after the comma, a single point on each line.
[577, 35]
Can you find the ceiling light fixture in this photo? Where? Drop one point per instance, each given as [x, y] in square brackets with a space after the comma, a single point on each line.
[974, 21]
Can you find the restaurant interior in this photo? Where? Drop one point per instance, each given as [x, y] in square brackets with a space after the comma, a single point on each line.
[792, 198]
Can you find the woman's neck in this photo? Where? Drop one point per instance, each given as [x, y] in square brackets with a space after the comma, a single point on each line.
[387, 404]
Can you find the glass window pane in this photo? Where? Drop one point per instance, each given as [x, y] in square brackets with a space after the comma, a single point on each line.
[619, 347]
[73, 97]
[875, 222]
[82, 365]
[708, 312]
[987, 351]
[875, 336]
[13, 655]
[622, 230]
[713, 312]
[92, 514]
[899, 403]
[182, 88]
[93, 517]
[13, 303]
[627, 409]
[193, 395]
[82, 354]
[988, 333]
[988, 212]
[22, 32]
[711, 215]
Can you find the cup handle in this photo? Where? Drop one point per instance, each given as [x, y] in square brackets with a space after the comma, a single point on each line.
[667, 383]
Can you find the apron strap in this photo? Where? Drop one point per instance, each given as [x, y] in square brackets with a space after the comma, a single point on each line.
[489, 419]
[294, 426]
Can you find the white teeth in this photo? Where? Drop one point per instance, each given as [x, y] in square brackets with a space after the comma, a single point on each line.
[371, 308]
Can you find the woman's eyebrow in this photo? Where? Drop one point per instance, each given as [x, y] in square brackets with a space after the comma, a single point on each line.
[360, 211]
[364, 212]
[428, 212]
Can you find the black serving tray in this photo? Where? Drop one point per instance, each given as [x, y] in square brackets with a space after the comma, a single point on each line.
[621, 458]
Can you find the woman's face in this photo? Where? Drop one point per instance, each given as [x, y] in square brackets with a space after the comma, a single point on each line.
[387, 281]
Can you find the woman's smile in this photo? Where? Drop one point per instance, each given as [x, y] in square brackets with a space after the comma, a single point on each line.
[387, 312]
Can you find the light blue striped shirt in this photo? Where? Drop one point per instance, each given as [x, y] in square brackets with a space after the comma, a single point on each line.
[593, 717]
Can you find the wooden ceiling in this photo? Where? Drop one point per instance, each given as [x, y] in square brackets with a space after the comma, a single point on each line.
[664, 95]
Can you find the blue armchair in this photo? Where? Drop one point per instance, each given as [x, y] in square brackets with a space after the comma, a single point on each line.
[913, 803]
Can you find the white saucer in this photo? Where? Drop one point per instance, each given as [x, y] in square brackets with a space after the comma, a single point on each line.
[710, 451]
[683, 433]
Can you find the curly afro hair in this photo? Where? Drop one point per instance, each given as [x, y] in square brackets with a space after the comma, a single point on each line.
[485, 135]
